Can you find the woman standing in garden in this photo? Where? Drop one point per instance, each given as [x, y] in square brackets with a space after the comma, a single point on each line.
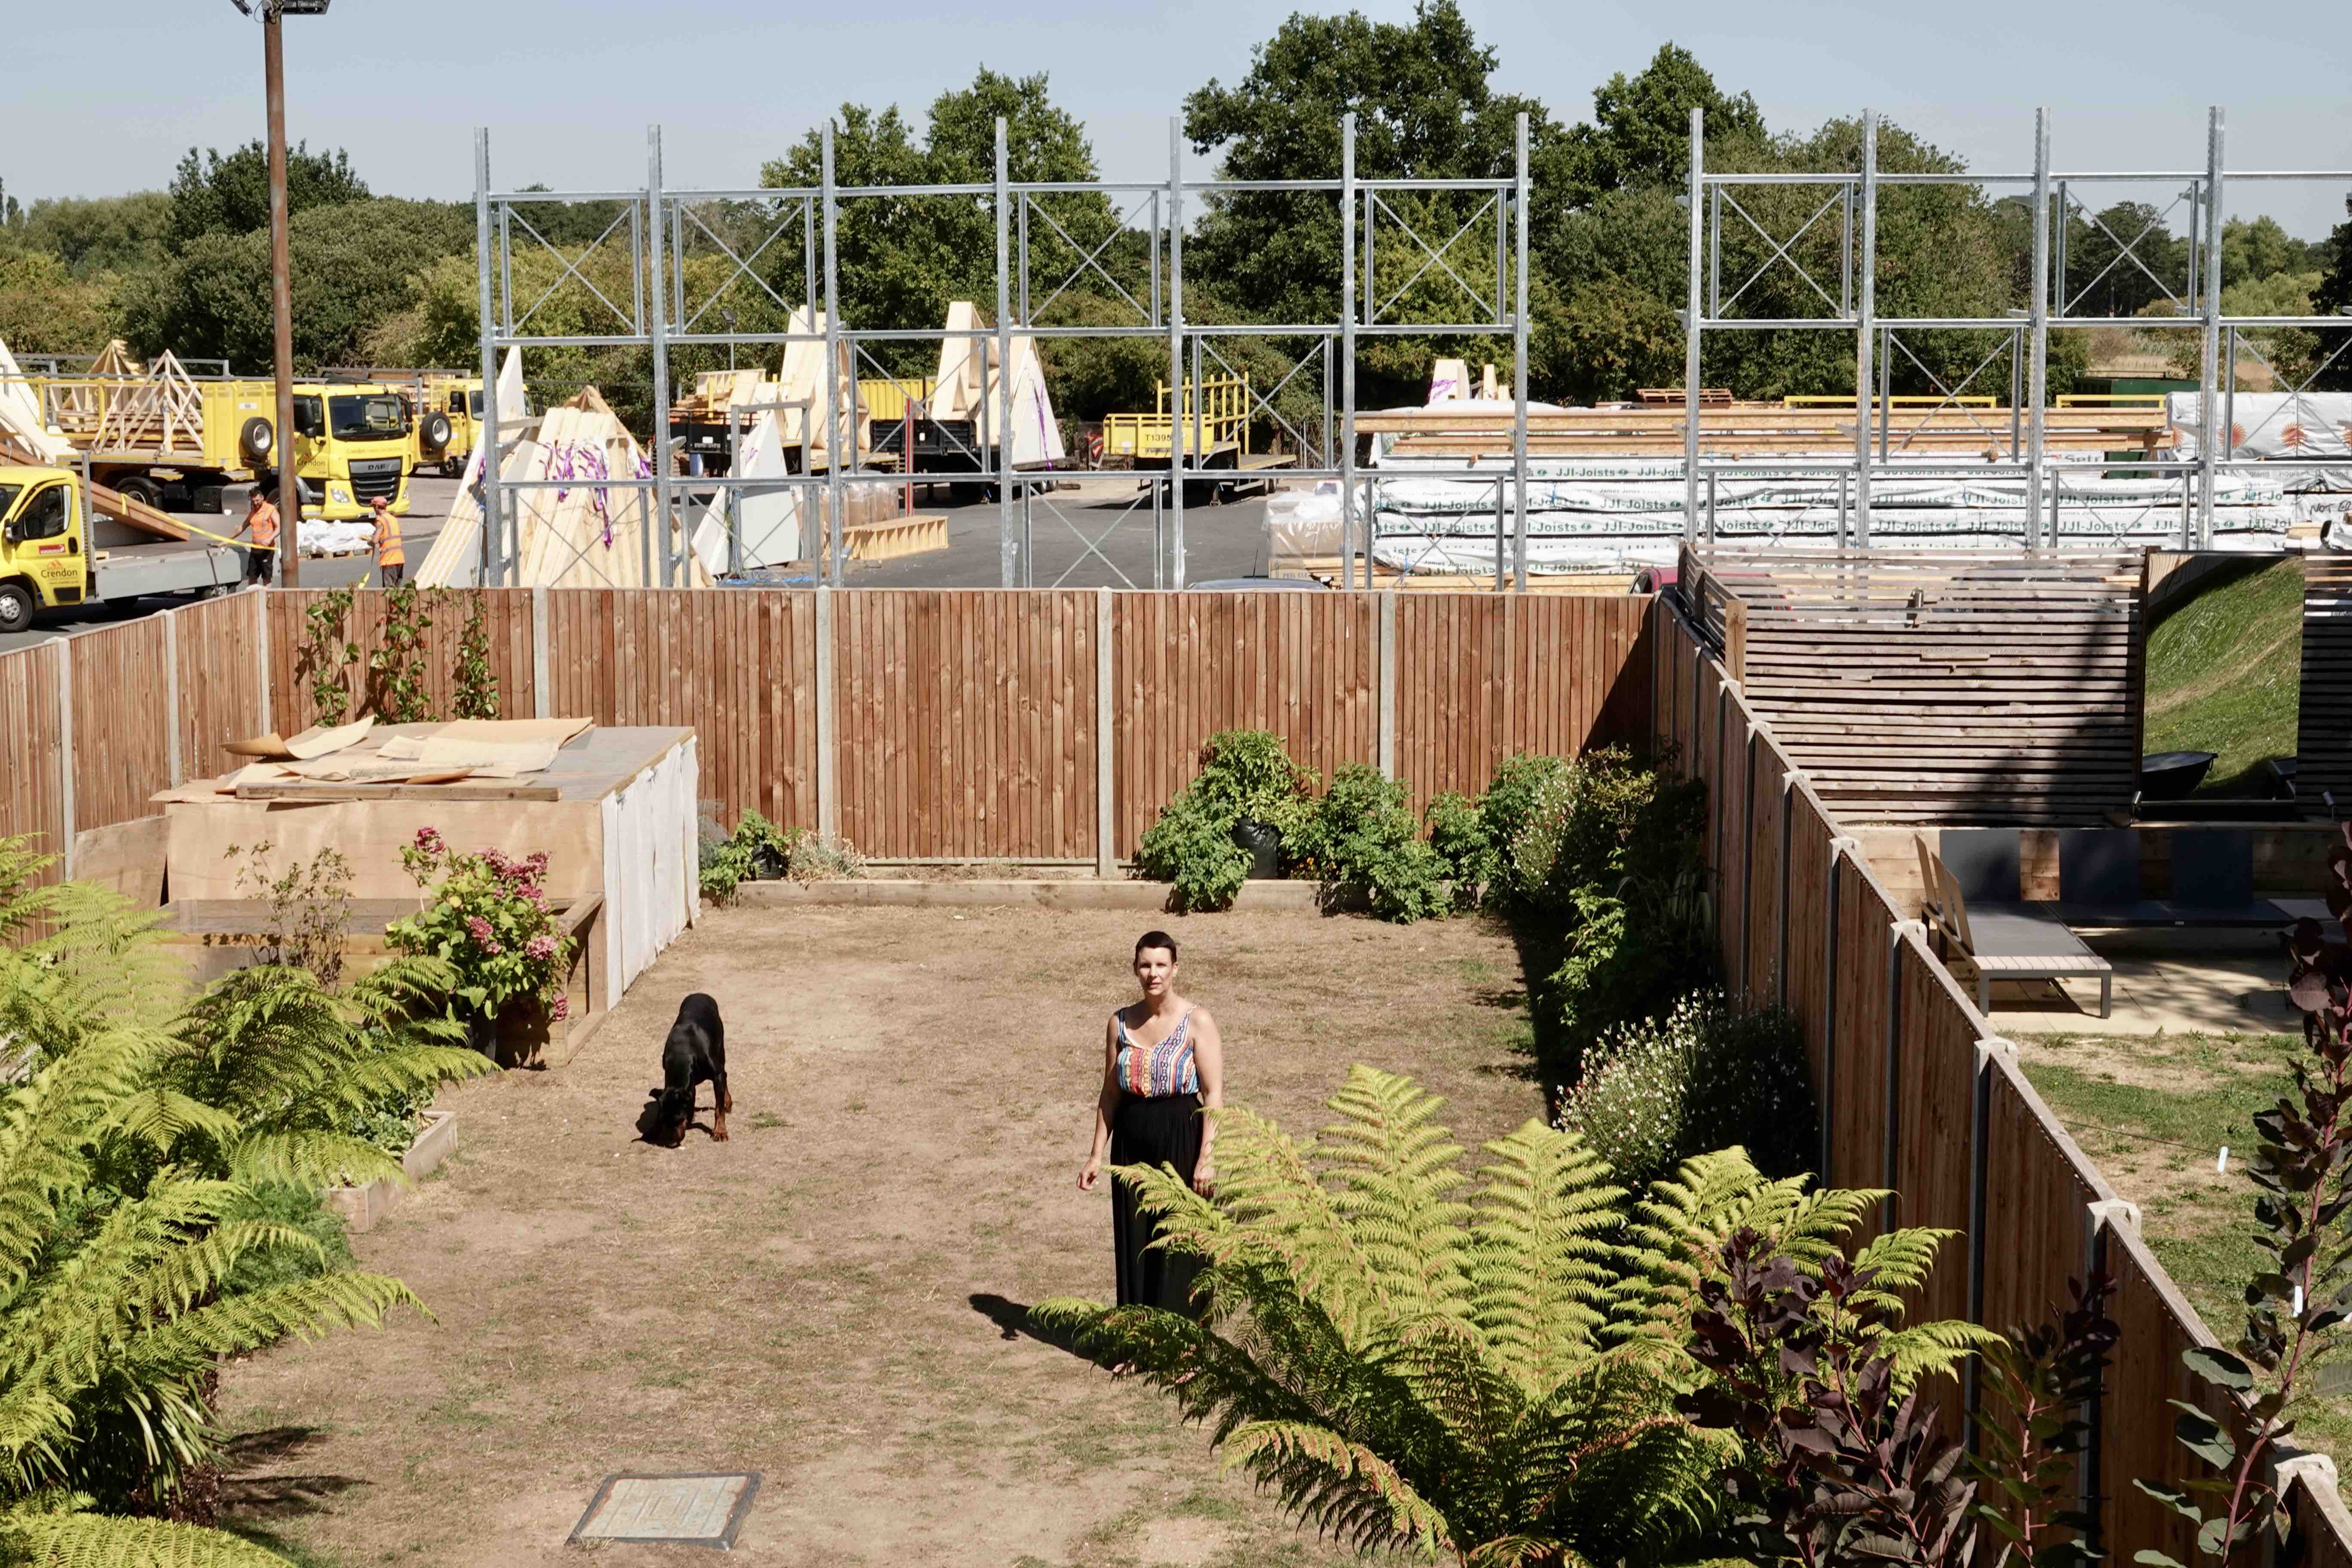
[1163, 1065]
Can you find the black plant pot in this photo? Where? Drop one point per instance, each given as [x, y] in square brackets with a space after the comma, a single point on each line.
[1262, 842]
[767, 864]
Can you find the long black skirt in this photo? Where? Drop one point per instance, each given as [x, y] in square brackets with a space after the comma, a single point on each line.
[1164, 1132]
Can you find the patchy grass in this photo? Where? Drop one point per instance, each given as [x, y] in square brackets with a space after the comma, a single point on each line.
[836, 1296]
[2153, 1115]
[2224, 674]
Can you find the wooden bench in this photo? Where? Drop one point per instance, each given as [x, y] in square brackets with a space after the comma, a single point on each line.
[2015, 941]
[896, 536]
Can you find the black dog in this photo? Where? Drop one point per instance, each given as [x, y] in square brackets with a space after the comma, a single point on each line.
[695, 1053]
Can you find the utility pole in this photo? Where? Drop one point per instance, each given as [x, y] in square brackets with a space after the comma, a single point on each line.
[281, 294]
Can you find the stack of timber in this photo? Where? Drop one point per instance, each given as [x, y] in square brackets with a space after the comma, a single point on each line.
[2323, 743]
[1938, 686]
[1763, 430]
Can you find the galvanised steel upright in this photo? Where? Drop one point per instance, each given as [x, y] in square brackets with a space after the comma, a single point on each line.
[2057, 204]
[663, 224]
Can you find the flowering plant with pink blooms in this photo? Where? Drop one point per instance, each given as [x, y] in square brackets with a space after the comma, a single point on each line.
[486, 916]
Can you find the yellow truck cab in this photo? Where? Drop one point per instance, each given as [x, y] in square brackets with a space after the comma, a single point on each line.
[53, 553]
[449, 422]
[352, 444]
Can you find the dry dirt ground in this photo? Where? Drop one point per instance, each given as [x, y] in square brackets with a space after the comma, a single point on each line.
[834, 1297]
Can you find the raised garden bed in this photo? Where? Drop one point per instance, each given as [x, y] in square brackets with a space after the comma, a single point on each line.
[362, 1207]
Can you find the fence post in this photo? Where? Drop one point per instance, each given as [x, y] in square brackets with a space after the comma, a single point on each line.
[1839, 849]
[171, 761]
[64, 645]
[1780, 969]
[1747, 869]
[1979, 1140]
[1106, 848]
[260, 597]
[542, 699]
[1387, 601]
[2089, 1471]
[828, 800]
[1895, 934]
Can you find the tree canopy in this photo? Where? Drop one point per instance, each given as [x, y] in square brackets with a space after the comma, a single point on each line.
[216, 194]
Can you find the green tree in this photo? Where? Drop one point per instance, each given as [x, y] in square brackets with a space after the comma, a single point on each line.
[101, 234]
[2333, 297]
[1640, 132]
[214, 194]
[1423, 107]
[352, 265]
[44, 308]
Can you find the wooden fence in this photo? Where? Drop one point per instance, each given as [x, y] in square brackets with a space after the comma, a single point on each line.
[1041, 726]
[2323, 741]
[94, 725]
[926, 725]
[1938, 686]
[1916, 1095]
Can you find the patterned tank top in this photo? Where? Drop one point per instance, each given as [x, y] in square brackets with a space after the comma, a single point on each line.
[1160, 1071]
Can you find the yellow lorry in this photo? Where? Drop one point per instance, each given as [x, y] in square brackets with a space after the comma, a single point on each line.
[57, 551]
[445, 410]
[161, 437]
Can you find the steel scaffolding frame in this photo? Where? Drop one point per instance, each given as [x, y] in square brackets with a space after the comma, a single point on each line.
[661, 225]
[1854, 309]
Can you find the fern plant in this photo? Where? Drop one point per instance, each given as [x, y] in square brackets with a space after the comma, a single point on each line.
[1484, 1370]
[117, 1256]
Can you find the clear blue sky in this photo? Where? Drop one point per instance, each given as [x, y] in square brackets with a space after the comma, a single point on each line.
[567, 87]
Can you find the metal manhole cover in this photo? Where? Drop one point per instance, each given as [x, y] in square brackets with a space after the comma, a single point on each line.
[693, 1510]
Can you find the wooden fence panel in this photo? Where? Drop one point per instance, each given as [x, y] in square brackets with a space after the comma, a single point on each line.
[1857, 1102]
[220, 680]
[121, 721]
[2324, 739]
[1185, 666]
[967, 722]
[1731, 836]
[1764, 920]
[2038, 1192]
[1484, 676]
[506, 621]
[1808, 937]
[32, 726]
[740, 667]
[1935, 1126]
[2137, 1440]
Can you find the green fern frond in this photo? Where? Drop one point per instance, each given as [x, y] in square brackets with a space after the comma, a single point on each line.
[1280, 1450]
[1396, 1171]
[310, 1159]
[1546, 1262]
[94, 1541]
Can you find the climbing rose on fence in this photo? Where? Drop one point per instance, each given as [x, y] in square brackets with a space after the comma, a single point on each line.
[486, 916]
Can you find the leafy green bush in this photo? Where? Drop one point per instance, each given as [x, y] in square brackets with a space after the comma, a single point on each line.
[1704, 1077]
[1247, 775]
[737, 859]
[1361, 834]
[1523, 779]
[1457, 833]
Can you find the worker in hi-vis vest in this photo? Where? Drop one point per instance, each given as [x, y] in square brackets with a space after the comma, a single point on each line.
[391, 560]
[261, 523]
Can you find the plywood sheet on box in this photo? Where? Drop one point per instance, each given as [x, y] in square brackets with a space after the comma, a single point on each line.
[1185, 666]
[967, 722]
[125, 855]
[370, 835]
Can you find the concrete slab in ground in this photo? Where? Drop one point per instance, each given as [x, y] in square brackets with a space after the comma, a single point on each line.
[2172, 982]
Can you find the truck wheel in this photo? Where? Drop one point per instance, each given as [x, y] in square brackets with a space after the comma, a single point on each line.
[15, 606]
[143, 490]
[257, 441]
[432, 431]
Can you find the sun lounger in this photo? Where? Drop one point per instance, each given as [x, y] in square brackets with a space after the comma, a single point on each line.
[2004, 940]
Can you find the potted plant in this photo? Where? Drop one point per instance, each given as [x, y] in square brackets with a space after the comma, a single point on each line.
[1230, 823]
[486, 916]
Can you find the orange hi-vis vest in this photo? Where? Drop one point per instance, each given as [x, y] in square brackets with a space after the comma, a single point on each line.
[388, 549]
[265, 526]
